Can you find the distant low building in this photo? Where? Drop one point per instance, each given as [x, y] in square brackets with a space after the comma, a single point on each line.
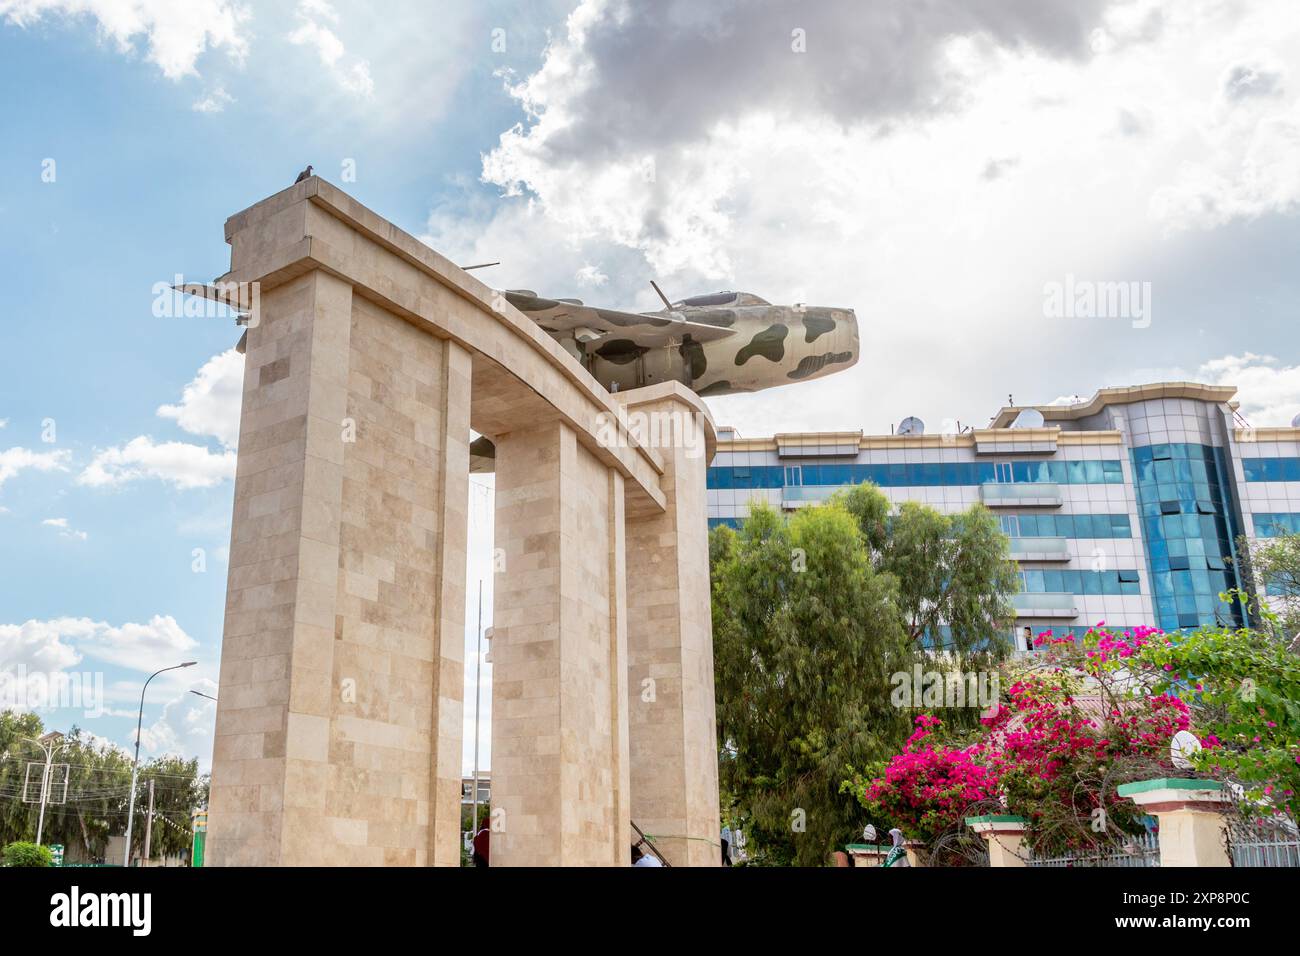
[484, 789]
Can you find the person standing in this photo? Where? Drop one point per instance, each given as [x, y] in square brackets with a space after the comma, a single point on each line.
[482, 844]
[897, 853]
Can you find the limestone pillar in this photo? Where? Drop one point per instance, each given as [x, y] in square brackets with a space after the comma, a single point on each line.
[339, 709]
[1192, 829]
[559, 732]
[671, 716]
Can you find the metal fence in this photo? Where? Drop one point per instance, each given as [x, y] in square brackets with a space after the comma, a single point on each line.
[1137, 851]
[1264, 842]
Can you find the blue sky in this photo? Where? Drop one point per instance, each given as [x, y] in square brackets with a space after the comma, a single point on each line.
[143, 182]
[934, 169]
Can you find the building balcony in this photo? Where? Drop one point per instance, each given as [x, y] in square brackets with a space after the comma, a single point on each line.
[1021, 494]
[1040, 549]
[800, 496]
[1045, 604]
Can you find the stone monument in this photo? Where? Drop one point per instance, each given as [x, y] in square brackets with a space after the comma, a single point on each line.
[369, 358]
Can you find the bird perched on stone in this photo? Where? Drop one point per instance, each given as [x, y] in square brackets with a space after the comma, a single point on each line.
[305, 174]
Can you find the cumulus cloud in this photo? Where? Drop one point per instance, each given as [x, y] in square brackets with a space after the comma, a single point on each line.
[135, 646]
[175, 34]
[1269, 390]
[65, 530]
[210, 403]
[178, 463]
[14, 461]
[590, 275]
[1255, 173]
[214, 101]
[622, 141]
[186, 725]
[42, 651]
[36, 646]
[1249, 162]
[630, 75]
[209, 407]
[314, 30]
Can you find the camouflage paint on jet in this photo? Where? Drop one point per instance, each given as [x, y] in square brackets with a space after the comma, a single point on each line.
[716, 344]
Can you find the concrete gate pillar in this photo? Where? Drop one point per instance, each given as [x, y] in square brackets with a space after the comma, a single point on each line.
[339, 716]
[559, 645]
[671, 716]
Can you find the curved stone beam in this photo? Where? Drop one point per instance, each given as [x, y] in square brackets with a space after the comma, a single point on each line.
[314, 225]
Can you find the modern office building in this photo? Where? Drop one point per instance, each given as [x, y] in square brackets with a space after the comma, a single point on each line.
[1125, 508]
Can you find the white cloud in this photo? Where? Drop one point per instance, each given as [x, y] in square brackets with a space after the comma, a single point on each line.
[214, 101]
[797, 194]
[36, 646]
[350, 72]
[179, 463]
[209, 407]
[65, 530]
[185, 726]
[1253, 171]
[590, 275]
[135, 646]
[210, 403]
[17, 459]
[1268, 390]
[176, 33]
[96, 742]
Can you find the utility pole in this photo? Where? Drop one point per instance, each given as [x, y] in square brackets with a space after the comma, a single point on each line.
[148, 825]
[46, 743]
[478, 672]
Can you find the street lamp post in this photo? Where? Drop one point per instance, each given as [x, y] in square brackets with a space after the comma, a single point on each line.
[135, 766]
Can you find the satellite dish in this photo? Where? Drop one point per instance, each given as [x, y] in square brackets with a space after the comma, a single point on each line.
[911, 425]
[1028, 418]
[1182, 748]
[869, 833]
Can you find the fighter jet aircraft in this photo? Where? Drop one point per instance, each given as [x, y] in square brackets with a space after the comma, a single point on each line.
[716, 344]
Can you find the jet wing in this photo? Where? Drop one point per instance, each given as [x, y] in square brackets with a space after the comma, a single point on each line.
[647, 329]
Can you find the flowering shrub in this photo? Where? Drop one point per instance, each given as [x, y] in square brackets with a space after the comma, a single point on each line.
[929, 785]
[1243, 688]
[1042, 754]
[1084, 716]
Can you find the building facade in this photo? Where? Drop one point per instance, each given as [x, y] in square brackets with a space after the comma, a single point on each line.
[1126, 508]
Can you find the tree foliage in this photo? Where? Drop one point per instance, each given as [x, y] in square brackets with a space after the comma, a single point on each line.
[812, 617]
[99, 788]
[953, 571]
[1273, 565]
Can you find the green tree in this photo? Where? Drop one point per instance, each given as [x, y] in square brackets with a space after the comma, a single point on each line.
[99, 780]
[806, 636]
[178, 791]
[99, 788]
[17, 819]
[812, 618]
[953, 571]
[1273, 565]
